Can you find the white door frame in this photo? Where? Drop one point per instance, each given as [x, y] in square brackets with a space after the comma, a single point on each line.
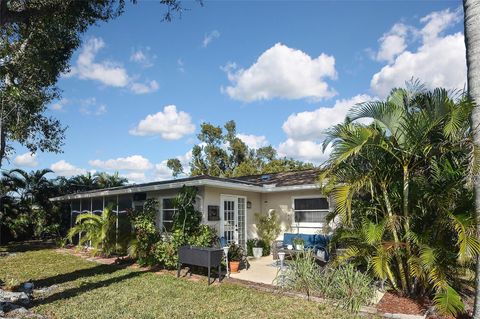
[234, 198]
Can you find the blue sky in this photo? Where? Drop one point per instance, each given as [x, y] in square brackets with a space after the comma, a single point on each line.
[283, 70]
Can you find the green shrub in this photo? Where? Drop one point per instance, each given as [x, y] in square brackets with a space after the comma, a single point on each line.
[268, 227]
[301, 274]
[251, 243]
[205, 236]
[348, 286]
[146, 234]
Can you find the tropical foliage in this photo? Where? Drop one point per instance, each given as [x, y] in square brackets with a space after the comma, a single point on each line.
[402, 187]
[222, 153]
[25, 209]
[98, 231]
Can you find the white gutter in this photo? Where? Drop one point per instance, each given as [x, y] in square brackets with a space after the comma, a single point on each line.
[173, 185]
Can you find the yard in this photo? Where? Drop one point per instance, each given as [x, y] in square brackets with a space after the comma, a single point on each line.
[87, 289]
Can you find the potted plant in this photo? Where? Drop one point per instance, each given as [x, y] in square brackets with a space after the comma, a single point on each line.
[258, 249]
[298, 243]
[235, 255]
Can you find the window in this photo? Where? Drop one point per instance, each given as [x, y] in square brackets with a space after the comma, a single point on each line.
[168, 211]
[310, 210]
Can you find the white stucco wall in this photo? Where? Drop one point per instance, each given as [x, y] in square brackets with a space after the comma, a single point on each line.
[261, 203]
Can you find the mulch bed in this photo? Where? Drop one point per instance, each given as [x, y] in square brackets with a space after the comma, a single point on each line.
[392, 303]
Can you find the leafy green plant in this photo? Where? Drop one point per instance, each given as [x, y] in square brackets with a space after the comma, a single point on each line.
[205, 236]
[255, 242]
[187, 219]
[297, 241]
[268, 227]
[300, 275]
[403, 190]
[146, 233]
[235, 252]
[349, 287]
[98, 230]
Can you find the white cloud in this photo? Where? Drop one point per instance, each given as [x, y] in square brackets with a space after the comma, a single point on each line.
[135, 177]
[282, 72]
[312, 124]
[108, 72]
[90, 106]
[209, 37]
[162, 172]
[309, 151]
[143, 56]
[133, 163]
[180, 65]
[436, 22]
[253, 141]
[439, 61]
[170, 124]
[59, 105]
[144, 88]
[63, 168]
[26, 160]
[392, 43]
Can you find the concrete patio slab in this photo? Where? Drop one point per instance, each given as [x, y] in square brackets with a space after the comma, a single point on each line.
[261, 270]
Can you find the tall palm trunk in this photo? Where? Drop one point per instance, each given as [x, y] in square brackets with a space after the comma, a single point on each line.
[471, 9]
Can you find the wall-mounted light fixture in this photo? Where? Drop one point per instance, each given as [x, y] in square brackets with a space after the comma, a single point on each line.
[249, 204]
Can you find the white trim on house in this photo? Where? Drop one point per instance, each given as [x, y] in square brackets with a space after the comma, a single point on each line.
[307, 224]
[268, 188]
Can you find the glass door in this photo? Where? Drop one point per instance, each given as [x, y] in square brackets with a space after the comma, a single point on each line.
[229, 216]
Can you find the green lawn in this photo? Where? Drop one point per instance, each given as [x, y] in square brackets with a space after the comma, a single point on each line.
[90, 290]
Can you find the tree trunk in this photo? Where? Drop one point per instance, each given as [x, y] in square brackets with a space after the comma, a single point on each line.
[401, 270]
[471, 9]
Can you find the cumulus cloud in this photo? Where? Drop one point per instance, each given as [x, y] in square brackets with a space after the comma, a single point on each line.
[282, 72]
[107, 72]
[439, 60]
[135, 177]
[26, 160]
[63, 168]
[143, 56]
[59, 105]
[253, 141]
[90, 106]
[170, 124]
[209, 37]
[131, 163]
[308, 151]
[144, 88]
[393, 43]
[312, 124]
[162, 172]
[180, 65]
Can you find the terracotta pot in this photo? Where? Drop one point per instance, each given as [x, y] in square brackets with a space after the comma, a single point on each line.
[233, 266]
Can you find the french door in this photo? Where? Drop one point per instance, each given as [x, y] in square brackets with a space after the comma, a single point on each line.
[233, 214]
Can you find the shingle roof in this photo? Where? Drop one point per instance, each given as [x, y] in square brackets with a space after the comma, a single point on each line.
[291, 178]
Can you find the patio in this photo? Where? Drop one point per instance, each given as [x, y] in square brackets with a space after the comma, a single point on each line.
[262, 270]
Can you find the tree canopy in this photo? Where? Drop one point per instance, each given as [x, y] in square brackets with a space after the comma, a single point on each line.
[222, 153]
[38, 39]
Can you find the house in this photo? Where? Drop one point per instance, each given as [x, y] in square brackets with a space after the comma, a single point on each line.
[228, 205]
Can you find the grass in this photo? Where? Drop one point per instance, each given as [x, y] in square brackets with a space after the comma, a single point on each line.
[90, 290]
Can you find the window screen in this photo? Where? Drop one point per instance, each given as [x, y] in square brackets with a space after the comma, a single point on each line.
[310, 210]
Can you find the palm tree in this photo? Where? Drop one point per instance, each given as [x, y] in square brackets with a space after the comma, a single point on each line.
[471, 9]
[99, 231]
[83, 182]
[32, 187]
[418, 140]
[105, 180]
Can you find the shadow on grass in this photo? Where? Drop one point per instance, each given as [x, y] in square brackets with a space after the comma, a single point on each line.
[74, 292]
[31, 245]
[81, 273]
